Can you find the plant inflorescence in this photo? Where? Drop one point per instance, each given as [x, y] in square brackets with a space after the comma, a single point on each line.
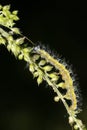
[41, 64]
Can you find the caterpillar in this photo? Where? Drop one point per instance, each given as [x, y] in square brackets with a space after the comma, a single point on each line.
[67, 81]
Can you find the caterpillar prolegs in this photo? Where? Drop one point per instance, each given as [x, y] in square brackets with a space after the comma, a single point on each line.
[42, 64]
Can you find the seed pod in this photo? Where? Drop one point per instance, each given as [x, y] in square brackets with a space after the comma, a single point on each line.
[10, 39]
[53, 76]
[6, 7]
[19, 41]
[31, 68]
[2, 40]
[40, 72]
[26, 57]
[9, 47]
[27, 50]
[35, 57]
[20, 57]
[56, 98]
[71, 121]
[15, 49]
[0, 7]
[39, 80]
[15, 12]
[35, 74]
[76, 127]
[42, 62]
[47, 68]
[61, 85]
[15, 30]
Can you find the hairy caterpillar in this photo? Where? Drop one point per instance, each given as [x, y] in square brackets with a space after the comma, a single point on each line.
[68, 81]
[42, 64]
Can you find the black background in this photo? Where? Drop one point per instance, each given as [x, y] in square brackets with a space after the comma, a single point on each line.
[24, 105]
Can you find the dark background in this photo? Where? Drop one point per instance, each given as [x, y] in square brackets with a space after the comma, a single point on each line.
[24, 105]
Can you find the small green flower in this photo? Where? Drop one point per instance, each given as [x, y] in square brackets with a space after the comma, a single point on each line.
[42, 62]
[32, 67]
[47, 68]
[2, 40]
[39, 80]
